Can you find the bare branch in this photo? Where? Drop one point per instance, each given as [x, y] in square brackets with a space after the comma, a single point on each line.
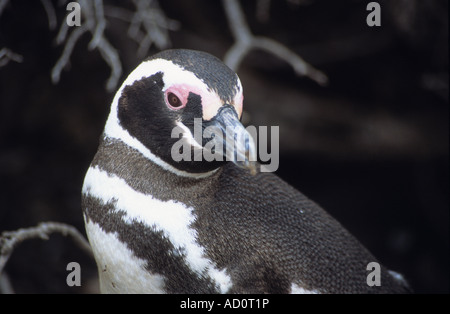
[151, 18]
[118, 13]
[7, 55]
[10, 239]
[62, 34]
[94, 24]
[148, 25]
[67, 52]
[51, 15]
[111, 56]
[237, 22]
[245, 41]
[236, 53]
[101, 25]
[301, 67]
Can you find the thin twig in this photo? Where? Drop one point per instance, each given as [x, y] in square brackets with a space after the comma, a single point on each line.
[300, 66]
[111, 56]
[148, 25]
[246, 41]
[101, 25]
[51, 15]
[94, 23]
[151, 18]
[236, 54]
[62, 34]
[7, 55]
[236, 21]
[67, 52]
[10, 239]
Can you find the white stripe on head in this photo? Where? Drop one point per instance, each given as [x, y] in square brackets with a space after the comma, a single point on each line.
[188, 135]
[173, 74]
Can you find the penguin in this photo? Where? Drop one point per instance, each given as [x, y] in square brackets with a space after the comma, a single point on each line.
[158, 223]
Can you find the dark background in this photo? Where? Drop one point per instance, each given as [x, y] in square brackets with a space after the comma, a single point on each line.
[371, 147]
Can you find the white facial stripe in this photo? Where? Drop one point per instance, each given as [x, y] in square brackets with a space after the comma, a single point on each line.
[171, 217]
[116, 131]
[188, 135]
[113, 129]
[173, 75]
[176, 75]
[211, 104]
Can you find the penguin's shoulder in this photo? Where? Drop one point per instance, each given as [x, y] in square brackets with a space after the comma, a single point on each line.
[305, 245]
[265, 192]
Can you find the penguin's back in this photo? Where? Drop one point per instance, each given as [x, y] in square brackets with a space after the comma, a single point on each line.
[280, 241]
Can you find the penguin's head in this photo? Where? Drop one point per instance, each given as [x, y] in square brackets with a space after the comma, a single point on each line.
[166, 103]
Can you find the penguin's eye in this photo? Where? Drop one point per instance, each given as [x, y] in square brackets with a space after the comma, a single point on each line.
[174, 101]
[176, 96]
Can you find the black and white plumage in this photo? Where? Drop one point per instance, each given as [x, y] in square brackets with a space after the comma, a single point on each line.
[161, 226]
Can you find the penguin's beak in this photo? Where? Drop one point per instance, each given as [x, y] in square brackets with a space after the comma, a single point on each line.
[238, 144]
